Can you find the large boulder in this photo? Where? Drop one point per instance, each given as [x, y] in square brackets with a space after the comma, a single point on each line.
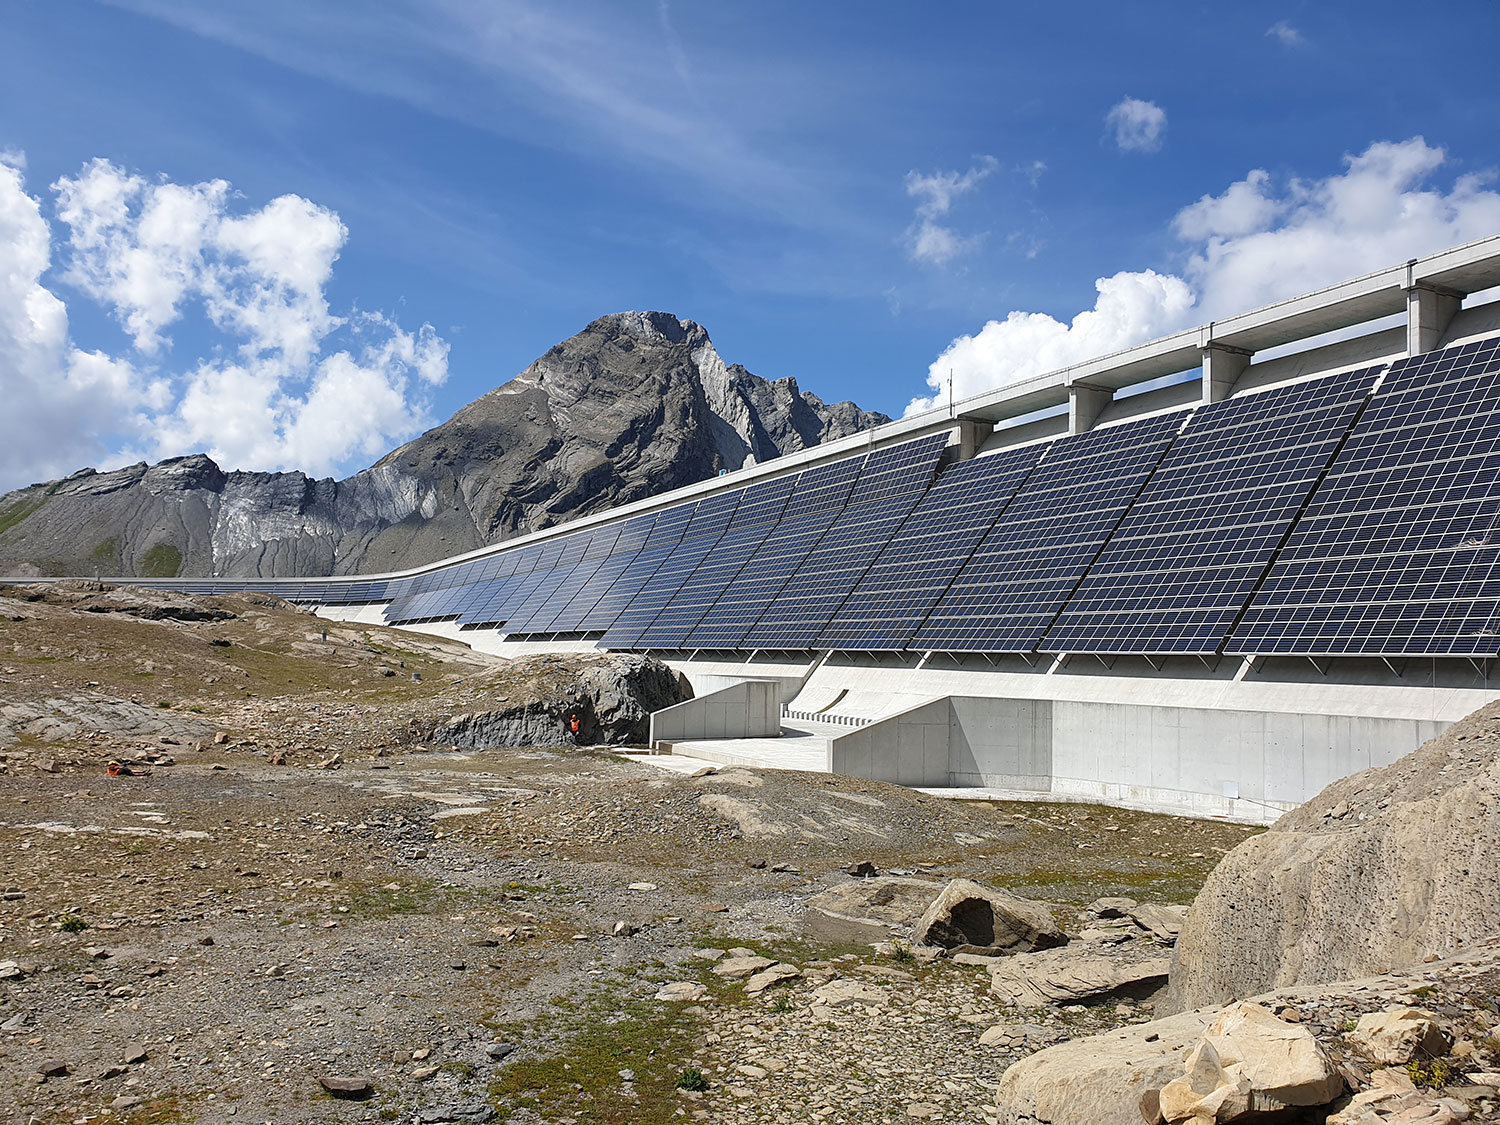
[1377, 871]
[1250, 1063]
[869, 910]
[970, 918]
[612, 695]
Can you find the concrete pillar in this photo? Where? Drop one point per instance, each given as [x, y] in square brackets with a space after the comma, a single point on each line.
[1222, 367]
[972, 433]
[1085, 404]
[1429, 311]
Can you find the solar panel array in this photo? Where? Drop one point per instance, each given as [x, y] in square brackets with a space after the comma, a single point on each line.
[1024, 569]
[1396, 555]
[1183, 562]
[1355, 514]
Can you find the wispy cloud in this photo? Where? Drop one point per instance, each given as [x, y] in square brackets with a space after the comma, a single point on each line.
[1137, 126]
[596, 83]
[928, 240]
[1285, 34]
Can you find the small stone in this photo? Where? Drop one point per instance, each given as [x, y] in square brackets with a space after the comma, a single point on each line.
[775, 974]
[922, 1110]
[625, 929]
[681, 990]
[457, 966]
[756, 864]
[221, 738]
[135, 1054]
[205, 941]
[98, 953]
[423, 1073]
[9, 970]
[788, 868]
[642, 887]
[708, 954]
[126, 1101]
[54, 1069]
[352, 1088]
[742, 966]
[421, 1053]
[716, 908]
[498, 1051]
[864, 869]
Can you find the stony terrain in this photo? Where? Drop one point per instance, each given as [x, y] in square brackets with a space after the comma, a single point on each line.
[634, 405]
[307, 887]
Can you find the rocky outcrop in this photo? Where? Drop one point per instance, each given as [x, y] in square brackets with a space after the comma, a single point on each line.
[1076, 976]
[1378, 871]
[1296, 1047]
[611, 696]
[634, 405]
[967, 917]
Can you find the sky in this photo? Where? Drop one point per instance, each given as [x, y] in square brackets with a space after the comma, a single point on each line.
[293, 233]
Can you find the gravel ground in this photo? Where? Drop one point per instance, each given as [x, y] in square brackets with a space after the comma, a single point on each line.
[299, 891]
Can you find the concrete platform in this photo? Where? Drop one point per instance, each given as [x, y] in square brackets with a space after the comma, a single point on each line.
[803, 745]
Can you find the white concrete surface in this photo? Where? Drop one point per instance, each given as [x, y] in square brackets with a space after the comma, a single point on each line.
[748, 709]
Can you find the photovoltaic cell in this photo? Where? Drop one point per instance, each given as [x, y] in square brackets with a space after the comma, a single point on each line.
[1396, 555]
[1184, 561]
[1026, 566]
[917, 566]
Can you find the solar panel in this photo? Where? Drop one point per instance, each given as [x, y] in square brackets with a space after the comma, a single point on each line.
[890, 483]
[816, 500]
[1396, 553]
[917, 566]
[595, 554]
[754, 519]
[1185, 559]
[575, 547]
[1022, 571]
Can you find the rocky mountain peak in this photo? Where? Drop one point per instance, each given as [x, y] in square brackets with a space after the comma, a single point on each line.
[635, 404]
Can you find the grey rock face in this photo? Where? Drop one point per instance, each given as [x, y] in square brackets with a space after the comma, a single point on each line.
[612, 697]
[634, 405]
[968, 917]
[1377, 871]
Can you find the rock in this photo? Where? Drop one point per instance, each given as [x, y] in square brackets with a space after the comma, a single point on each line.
[839, 993]
[342, 1087]
[221, 738]
[967, 916]
[641, 887]
[1251, 1062]
[9, 970]
[869, 910]
[997, 1034]
[97, 953]
[423, 1073]
[1389, 880]
[332, 763]
[205, 941]
[742, 966]
[54, 1069]
[135, 1054]
[1069, 976]
[126, 1102]
[1164, 922]
[625, 929]
[499, 1051]
[47, 765]
[1394, 1036]
[1112, 907]
[774, 974]
[277, 758]
[466, 1113]
[681, 990]
[611, 694]
[708, 954]
[864, 869]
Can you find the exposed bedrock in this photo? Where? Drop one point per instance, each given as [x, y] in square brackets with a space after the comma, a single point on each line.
[610, 695]
[1376, 872]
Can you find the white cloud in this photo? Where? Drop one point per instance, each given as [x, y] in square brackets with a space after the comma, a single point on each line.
[1285, 34]
[1137, 125]
[1256, 243]
[927, 240]
[288, 384]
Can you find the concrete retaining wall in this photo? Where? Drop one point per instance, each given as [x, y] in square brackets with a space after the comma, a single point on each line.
[748, 709]
[1242, 765]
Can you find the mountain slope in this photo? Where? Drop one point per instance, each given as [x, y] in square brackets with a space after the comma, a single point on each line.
[634, 405]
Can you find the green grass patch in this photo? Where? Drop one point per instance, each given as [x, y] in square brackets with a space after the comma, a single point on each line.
[107, 551]
[162, 561]
[15, 513]
[600, 1036]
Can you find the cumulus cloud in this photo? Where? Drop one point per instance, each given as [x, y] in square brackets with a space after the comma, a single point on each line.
[287, 383]
[1137, 125]
[928, 240]
[1285, 34]
[1257, 242]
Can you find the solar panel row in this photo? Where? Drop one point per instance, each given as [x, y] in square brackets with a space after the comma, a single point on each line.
[1351, 514]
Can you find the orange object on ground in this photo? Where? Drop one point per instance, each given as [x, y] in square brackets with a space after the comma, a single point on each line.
[119, 769]
[573, 724]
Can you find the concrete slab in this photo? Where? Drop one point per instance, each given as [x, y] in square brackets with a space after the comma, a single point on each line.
[802, 746]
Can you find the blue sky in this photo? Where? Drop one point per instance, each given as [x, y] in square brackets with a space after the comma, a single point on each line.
[837, 192]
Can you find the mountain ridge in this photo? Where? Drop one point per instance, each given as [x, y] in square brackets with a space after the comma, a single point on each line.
[636, 404]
